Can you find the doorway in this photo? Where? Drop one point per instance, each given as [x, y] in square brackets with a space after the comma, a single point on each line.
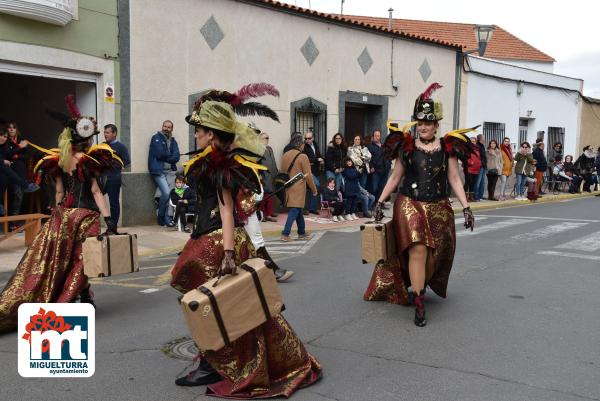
[361, 114]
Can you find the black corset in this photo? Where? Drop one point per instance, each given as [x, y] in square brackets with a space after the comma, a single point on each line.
[207, 217]
[80, 191]
[426, 177]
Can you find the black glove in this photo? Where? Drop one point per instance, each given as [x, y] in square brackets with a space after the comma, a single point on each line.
[378, 212]
[228, 264]
[469, 218]
[111, 226]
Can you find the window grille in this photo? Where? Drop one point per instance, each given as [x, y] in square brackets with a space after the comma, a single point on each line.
[493, 131]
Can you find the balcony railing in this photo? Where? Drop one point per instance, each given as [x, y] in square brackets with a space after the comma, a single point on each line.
[57, 12]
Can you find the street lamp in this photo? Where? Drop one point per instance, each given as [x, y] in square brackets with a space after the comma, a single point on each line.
[483, 34]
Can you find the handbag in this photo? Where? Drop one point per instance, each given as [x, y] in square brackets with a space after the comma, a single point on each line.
[493, 171]
[281, 179]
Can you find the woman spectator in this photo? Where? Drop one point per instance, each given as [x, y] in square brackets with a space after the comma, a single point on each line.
[571, 171]
[523, 169]
[18, 147]
[473, 167]
[351, 189]
[332, 197]
[267, 176]
[558, 170]
[585, 163]
[556, 150]
[494, 167]
[334, 159]
[361, 157]
[507, 165]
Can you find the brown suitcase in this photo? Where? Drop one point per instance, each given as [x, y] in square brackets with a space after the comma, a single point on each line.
[217, 316]
[110, 255]
[378, 242]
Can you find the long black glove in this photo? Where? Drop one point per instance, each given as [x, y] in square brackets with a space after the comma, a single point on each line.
[469, 218]
[111, 226]
[378, 212]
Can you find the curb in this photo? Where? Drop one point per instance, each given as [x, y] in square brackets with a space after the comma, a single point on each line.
[474, 207]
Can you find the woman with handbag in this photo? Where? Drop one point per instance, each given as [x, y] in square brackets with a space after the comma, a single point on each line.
[270, 360]
[507, 166]
[494, 167]
[361, 157]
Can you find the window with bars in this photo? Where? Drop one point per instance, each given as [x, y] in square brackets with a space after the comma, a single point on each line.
[493, 131]
[555, 134]
[309, 114]
[523, 128]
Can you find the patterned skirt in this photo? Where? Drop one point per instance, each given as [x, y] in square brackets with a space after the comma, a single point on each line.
[51, 269]
[415, 222]
[269, 361]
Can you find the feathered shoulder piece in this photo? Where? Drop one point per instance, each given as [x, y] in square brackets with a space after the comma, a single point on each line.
[399, 141]
[98, 160]
[230, 170]
[458, 144]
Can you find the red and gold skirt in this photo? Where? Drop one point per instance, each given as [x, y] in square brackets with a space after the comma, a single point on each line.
[51, 269]
[415, 222]
[269, 361]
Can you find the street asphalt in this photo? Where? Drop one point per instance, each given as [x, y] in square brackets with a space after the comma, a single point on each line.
[521, 321]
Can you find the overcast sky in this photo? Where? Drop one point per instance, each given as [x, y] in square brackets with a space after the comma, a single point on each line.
[566, 30]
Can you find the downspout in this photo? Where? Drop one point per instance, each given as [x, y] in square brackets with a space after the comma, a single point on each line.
[394, 86]
[457, 88]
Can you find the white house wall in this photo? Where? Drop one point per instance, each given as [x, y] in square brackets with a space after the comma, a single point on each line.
[171, 60]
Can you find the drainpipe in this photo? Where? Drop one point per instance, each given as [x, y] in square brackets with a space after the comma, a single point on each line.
[457, 88]
[394, 86]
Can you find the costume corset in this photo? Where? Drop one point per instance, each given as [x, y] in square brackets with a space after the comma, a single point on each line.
[207, 217]
[78, 194]
[426, 177]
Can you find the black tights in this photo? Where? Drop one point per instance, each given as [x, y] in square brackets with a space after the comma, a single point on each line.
[492, 180]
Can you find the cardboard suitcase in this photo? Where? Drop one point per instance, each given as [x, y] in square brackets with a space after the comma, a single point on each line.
[218, 315]
[378, 242]
[110, 255]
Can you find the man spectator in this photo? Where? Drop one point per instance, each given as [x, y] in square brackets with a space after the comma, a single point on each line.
[162, 163]
[311, 150]
[113, 177]
[379, 167]
[480, 184]
[267, 176]
[541, 165]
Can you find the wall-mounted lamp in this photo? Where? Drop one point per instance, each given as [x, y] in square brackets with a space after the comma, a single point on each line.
[529, 112]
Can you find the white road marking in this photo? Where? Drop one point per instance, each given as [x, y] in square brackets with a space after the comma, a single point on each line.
[284, 250]
[150, 290]
[498, 216]
[589, 243]
[545, 232]
[460, 220]
[492, 227]
[569, 255]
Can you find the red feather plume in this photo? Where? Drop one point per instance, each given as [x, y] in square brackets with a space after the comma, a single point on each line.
[253, 90]
[73, 109]
[432, 88]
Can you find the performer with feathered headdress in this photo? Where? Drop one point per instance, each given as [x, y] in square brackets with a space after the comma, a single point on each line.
[52, 268]
[423, 217]
[270, 360]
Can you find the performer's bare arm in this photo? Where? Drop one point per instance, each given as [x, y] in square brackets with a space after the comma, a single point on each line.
[393, 181]
[60, 190]
[455, 182]
[100, 200]
[226, 211]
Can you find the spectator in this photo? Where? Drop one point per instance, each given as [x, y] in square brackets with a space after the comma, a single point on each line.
[311, 150]
[332, 197]
[184, 200]
[571, 171]
[379, 167]
[541, 165]
[494, 167]
[7, 174]
[597, 165]
[507, 165]
[162, 163]
[18, 147]
[268, 175]
[557, 150]
[113, 177]
[480, 186]
[334, 159]
[473, 169]
[294, 195]
[361, 157]
[558, 170]
[524, 166]
[351, 189]
[585, 164]
[367, 201]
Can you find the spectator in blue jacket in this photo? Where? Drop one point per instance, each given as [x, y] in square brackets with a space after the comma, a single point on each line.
[352, 193]
[162, 162]
[113, 177]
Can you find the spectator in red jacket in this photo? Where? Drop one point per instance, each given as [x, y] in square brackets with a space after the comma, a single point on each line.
[473, 167]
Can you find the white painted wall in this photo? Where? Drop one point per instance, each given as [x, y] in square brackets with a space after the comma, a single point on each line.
[544, 66]
[496, 100]
[171, 60]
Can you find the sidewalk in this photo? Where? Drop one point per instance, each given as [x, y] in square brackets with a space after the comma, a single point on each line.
[155, 240]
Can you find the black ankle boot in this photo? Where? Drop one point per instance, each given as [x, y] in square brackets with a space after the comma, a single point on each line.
[87, 296]
[203, 375]
[420, 309]
[280, 274]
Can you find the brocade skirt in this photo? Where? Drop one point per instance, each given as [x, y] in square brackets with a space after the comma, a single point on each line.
[416, 222]
[51, 269]
[268, 361]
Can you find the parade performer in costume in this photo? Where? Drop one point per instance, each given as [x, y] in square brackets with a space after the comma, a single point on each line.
[52, 268]
[270, 360]
[423, 217]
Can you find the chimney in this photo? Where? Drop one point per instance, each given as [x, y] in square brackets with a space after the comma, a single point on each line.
[391, 10]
